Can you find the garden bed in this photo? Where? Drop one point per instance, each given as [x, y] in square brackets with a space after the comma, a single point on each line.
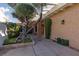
[13, 41]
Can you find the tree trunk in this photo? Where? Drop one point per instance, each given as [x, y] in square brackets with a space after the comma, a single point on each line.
[38, 19]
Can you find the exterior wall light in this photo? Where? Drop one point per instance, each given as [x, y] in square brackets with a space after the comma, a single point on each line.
[62, 22]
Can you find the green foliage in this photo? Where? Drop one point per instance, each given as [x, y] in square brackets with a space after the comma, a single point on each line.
[27, 40]
[13, 30]
[23, 10]
[63, 41]
[66, 42]
[59, 40]
[48, 28]
[9, 41]
[13, 41]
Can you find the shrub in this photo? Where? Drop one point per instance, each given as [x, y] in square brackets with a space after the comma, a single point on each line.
[27, 40]
[13, 41]
[66, 42]
[48, 28]
[63, 41]
[59, 40]
[9, 41]
[13, 30]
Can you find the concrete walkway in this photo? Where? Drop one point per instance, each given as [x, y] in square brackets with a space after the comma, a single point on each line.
[43, 48]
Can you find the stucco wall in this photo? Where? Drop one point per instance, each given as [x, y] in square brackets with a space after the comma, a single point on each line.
[69, 30]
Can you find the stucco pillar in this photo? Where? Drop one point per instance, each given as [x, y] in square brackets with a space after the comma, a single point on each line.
[39, 29]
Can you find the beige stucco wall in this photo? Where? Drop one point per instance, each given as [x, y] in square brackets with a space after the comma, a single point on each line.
[69, 30]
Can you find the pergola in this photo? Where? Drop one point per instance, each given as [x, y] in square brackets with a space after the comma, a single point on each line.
[49, 8]
[46, 9]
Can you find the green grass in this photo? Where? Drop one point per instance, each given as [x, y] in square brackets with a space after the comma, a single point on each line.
[13, 41]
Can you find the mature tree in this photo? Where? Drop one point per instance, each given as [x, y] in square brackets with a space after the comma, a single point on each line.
[38, 9]
[26, 11]
[23, 12]
[37, 6]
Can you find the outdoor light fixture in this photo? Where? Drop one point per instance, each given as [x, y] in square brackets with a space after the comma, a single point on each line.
[62, 22]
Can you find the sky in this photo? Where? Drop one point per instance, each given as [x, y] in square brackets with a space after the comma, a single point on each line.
[7, 12]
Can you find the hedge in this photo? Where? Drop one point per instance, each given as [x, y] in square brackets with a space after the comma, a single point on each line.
[62, 41]
[48, 23]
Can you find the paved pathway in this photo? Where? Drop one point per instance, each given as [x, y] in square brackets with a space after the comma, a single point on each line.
[49, 48]
[43, 48]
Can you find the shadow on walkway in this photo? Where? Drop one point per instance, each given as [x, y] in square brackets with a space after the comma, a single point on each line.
[44, 47]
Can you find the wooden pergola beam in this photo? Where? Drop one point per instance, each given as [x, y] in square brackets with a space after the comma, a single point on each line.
[45, 10]
[50, 4]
